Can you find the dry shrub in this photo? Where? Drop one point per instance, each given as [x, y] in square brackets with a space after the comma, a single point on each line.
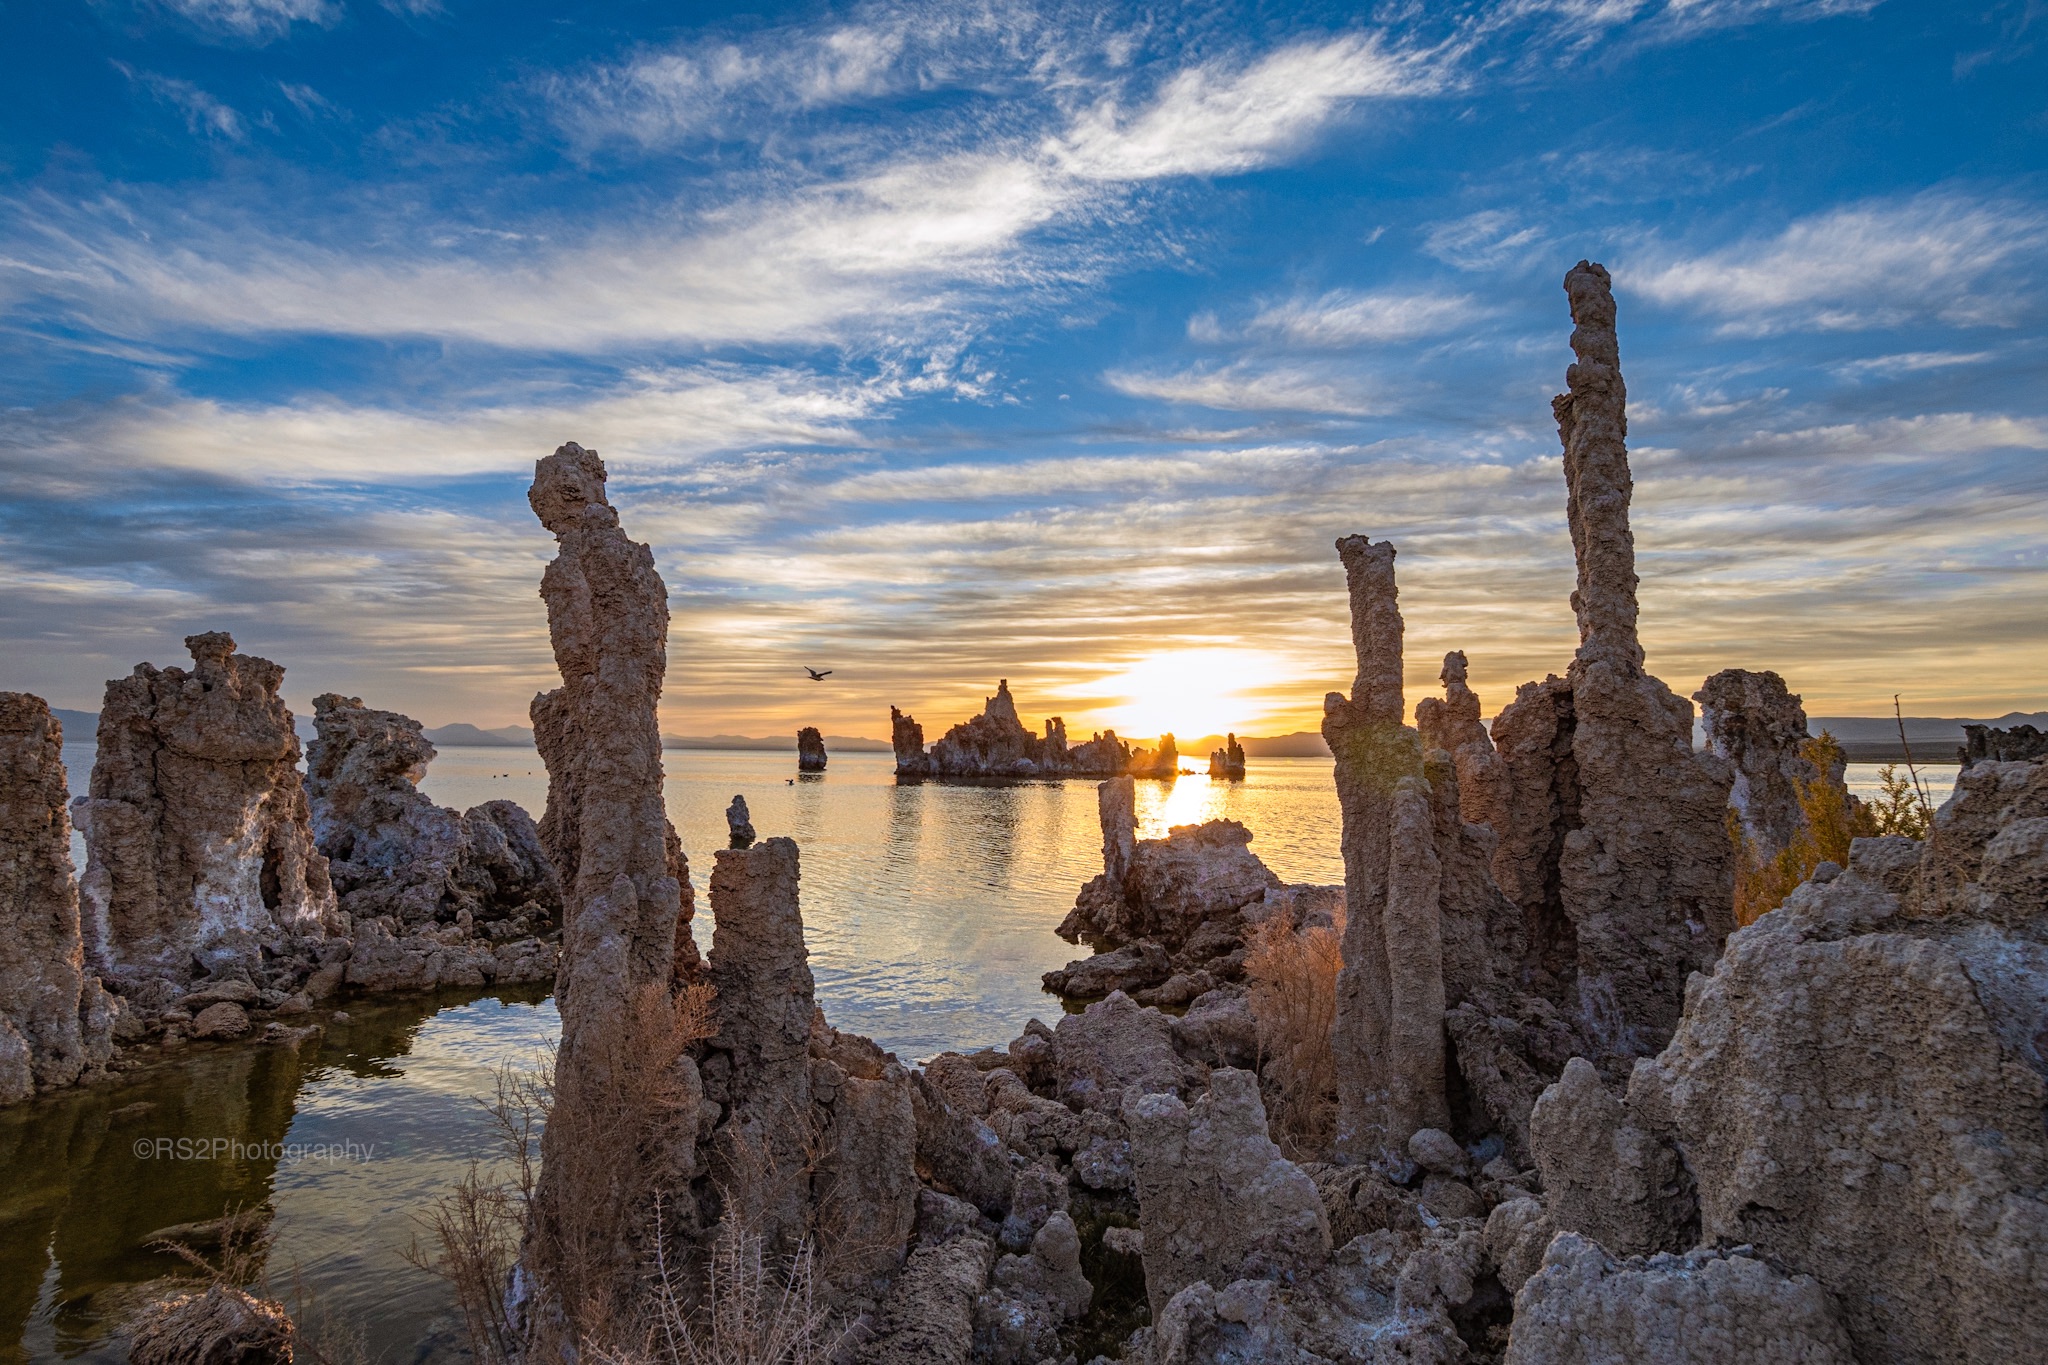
[748, 1309]
[238, 1315]
[620, 1125]
[615, 1128]
[1293, 978]
[1832, 820]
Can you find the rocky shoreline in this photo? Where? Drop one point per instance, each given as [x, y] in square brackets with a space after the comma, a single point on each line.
[1577, 1113]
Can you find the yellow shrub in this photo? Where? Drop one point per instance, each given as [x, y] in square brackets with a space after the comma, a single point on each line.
[1762, 881]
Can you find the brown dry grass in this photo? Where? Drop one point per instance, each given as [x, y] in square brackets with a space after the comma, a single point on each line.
[747, 1310]
[616, 1128]
[240, 1267]
[1293, 979]
[1762, 882]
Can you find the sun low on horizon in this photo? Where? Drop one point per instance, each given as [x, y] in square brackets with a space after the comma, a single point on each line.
[1192, 693]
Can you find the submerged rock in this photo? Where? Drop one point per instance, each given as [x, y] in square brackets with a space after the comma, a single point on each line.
[56, 1023]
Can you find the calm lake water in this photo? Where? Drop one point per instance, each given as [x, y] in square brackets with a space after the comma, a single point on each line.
[929, 911]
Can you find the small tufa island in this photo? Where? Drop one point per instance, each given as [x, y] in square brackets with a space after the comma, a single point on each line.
[996, 744]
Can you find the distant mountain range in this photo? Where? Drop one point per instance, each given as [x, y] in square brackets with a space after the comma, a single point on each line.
[1934, 739]
[1864, 739]
[834, 744]
[504, 737]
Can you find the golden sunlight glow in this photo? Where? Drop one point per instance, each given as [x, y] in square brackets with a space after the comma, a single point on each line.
[1189, 692]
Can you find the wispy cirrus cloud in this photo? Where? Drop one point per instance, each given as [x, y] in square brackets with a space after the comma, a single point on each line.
[907, 237]
[204, 115]
[1350, 317]
[665, 415]
[723, 86]
[256, 20]
[1943, 255]
[1481, 241]
[1220, 118]
[1257, 385]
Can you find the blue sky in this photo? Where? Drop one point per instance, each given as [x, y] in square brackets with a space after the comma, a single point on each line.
[935, 343]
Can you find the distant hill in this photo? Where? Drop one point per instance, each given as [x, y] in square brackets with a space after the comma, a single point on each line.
[80, 727]
[834, 744]
[1935, 739]
[1300, 744]
[469, 736]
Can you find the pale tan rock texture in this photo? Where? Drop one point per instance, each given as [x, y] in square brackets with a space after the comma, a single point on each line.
[55, 1021]
[622, 879]
[1392, 979]
[199, 845]
[1858, 1089]
[1606, 782]
[1756, 725]
[1604, 1176]
[762, 973]
[1451, 723]
[928, 1316]
[605, 829]
[394, 856]
[1217, 1202]
[1703, 1308]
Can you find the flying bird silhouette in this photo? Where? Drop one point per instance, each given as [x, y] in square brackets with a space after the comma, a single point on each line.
[816, 676]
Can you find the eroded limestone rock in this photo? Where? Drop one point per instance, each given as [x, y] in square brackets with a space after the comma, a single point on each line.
[1755, 725]
[1981, 742]
[1858, 1088]
[810, 750]
[761, 970]
[1217, 1202]
[1451, 723]
[1168, 887]
[1228, 761]
[219, 1326]
[1392, 978]
[739, 824]
[1859, 1092]
[199, 845]
[605, 829]
[56, 1023]
[1114, 1049]
[626, 933]
[928, 1316]
[433, 895]
[1703, 1308]
[1604, 1176]
[1606, 786]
